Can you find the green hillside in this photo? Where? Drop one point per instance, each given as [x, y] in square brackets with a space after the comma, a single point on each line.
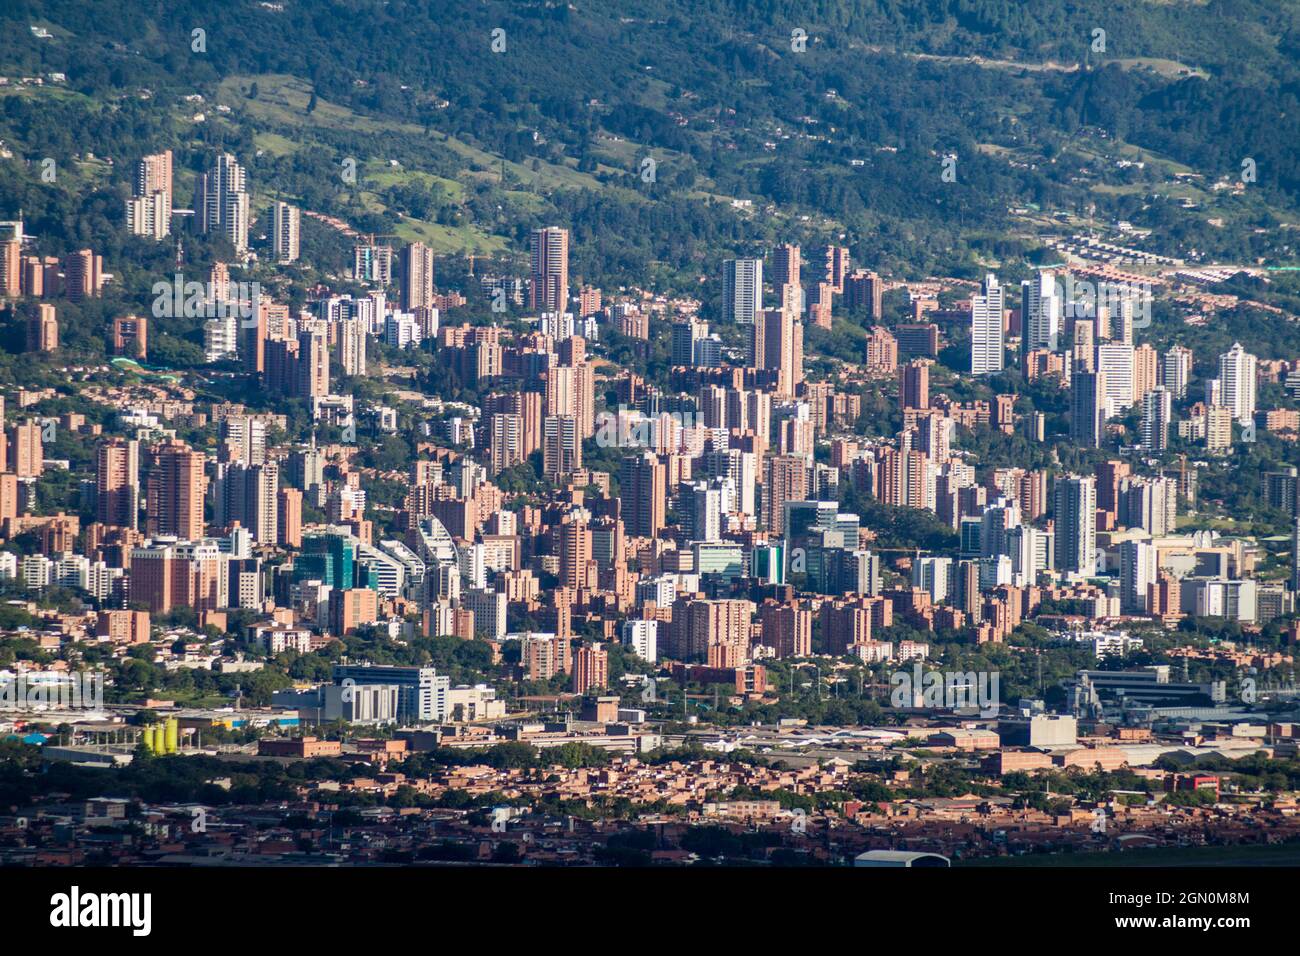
[675, 133]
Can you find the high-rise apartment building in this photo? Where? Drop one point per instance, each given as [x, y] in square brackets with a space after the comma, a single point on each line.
[42, 329]
[590, 668]
[417, 277]
[153, 174]
[1040, 312]
[288, 519]
[174, 491]
[787, 629]
[83, 275]
[25, 454]
[248, 495]
[685, 334]
[149, 210]
[548, 287]
[865, 292]
[286, 224]
[1146, 371]
[986, 327]
[11, 268]
[149, 216]
[221, 203]
[1087, 408]
[1076, 525]
[1115, 364]
[914, 384]
[1157, 410]
[507, 441]
[835, 266]
[1176, 371]
[313, 367]
[785, 479]
[117, 483]
[643, 486]
[351, 336]
[742, 290]
[1237, 375]
[373, 263]
[561, 446]
[787, 279]
[778, 347]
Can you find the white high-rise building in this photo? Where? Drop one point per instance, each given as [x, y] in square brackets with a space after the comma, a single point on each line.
[1115, 306]
[221, 338]
[987, 344]
[99, 580]
[932, 575]
[741, 468]
[36, 571]
[1150, 504]
[245, 438]
[1157, 410]
[285, 226]
[706, 509]
[642, 637]
[352, 346]
[489, 609]
[149, 215]
[994, 572]
[1031, 551]
[1076, 525]
[1176, 371]
[221, 202]
[149, 210]
[1237, 378]
[1040, 311]
[742, 290]
[1138, 571]
[998, 519]
[1115, 362]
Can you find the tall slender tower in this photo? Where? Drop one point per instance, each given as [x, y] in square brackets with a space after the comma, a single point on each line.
[548, 290]
[987, 345]
[117, 483]
[1040, 312]
[643, 482]
[417, 277]
[1076, 525]
[149, 210]
[787, 277]
[742, 290]
[782, 351]
[1237, 373]
[1087, 408]
[285, 226]
[174, 491]
[221, 202]
[1295, 554]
